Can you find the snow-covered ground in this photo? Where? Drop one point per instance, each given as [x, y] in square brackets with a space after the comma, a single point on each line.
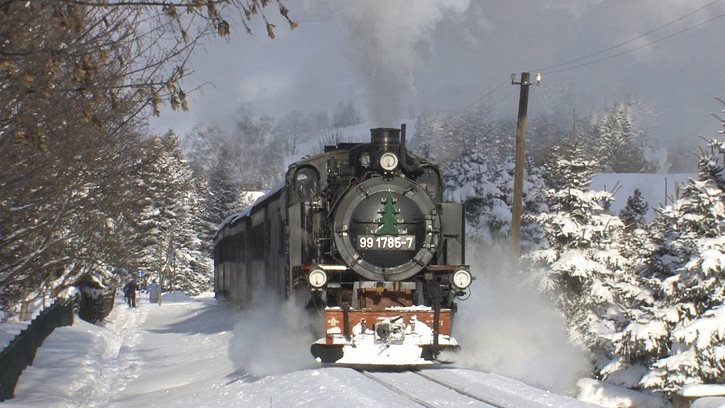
[197, 352]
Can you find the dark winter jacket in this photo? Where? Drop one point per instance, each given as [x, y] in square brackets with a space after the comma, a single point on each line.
[130, 289]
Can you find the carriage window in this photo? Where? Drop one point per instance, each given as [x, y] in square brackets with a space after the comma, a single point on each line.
[306, 181]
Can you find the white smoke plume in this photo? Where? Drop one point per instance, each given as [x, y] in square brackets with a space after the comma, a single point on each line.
[272, 337]
[384, 41]
[508, 328]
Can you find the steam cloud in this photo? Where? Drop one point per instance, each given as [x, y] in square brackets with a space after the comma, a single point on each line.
[509, 329]
[273, 337]
[384, 40]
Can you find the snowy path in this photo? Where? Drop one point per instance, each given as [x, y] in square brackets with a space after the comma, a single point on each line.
[186, 353]
[118, 362]
[136, 358]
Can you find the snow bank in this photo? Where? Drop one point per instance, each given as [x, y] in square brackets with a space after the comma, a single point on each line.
[608, 395]
[709, 402]
[10, 329]
[703, 390]
[711, 395]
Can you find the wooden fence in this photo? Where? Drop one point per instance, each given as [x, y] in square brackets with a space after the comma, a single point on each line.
[21, 351]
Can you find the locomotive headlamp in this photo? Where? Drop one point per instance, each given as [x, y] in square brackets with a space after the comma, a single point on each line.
[317, 278]
[388, 161]
[462, 279]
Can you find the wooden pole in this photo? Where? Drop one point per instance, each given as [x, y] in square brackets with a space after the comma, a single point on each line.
[517, 205]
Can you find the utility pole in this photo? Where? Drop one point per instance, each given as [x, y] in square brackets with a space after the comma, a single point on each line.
[520, 157]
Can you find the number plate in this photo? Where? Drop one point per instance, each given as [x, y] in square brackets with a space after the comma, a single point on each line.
[386, 242]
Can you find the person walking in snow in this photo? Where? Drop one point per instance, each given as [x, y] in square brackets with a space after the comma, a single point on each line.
[130, 292]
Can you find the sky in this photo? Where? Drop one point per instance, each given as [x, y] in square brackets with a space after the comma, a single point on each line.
[397, 59]
[189, 352]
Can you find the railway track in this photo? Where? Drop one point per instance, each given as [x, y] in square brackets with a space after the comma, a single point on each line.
[410, 388]
[453, 388]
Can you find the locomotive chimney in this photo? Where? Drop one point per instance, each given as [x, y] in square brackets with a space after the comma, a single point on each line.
[387, 138]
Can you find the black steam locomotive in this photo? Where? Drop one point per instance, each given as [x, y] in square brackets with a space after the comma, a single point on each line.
[363, 230]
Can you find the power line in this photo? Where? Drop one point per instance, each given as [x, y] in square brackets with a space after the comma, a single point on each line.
[564, 64]
[499, 101]
[484, 96]
[637, 48]
[627, 41]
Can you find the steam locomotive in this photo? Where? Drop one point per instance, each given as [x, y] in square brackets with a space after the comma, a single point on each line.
[361, 229]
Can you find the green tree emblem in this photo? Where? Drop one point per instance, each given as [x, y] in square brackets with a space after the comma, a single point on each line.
[388, 222]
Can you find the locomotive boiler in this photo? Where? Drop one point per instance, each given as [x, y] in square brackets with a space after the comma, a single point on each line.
[363, 230]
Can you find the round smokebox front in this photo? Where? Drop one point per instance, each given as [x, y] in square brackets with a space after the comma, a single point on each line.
[386, 229]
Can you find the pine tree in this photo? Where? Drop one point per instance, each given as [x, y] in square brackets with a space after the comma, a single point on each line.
[678, 338]
[446, 138]
[633, 213]
[466, 180]
[224, 189]
[170, 238]
[582, 267]
[253, 153]
[616, 141]
[688, 273]
[486, 188]
[432, 132]
[192, 262]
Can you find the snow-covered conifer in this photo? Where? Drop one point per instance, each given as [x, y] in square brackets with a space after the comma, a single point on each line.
[689, 271]
[679, 338]
[171, 242]
[466, 180]
[486, 187]
[634, 211]
[224, 189]
[582, 267]
[617, 142]
[433, 138]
